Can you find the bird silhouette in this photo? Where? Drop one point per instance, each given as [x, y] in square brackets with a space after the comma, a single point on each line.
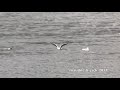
[59, 47]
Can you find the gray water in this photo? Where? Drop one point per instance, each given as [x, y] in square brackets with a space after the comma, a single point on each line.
[30, 35]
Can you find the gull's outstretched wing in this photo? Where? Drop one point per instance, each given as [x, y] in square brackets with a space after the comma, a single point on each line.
[63, 44]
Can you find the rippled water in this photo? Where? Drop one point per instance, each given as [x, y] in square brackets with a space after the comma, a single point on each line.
[30, 36]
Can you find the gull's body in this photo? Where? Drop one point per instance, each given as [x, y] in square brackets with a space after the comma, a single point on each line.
[5, 48]
[85, 49]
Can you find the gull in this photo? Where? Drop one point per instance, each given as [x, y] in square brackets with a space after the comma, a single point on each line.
[5, 48]
[59, 47]
[85, 49]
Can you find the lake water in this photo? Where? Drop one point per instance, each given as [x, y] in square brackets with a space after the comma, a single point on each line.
[30, 36]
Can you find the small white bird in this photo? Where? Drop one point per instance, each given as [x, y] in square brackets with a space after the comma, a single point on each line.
[85, 49]
[5, 48]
